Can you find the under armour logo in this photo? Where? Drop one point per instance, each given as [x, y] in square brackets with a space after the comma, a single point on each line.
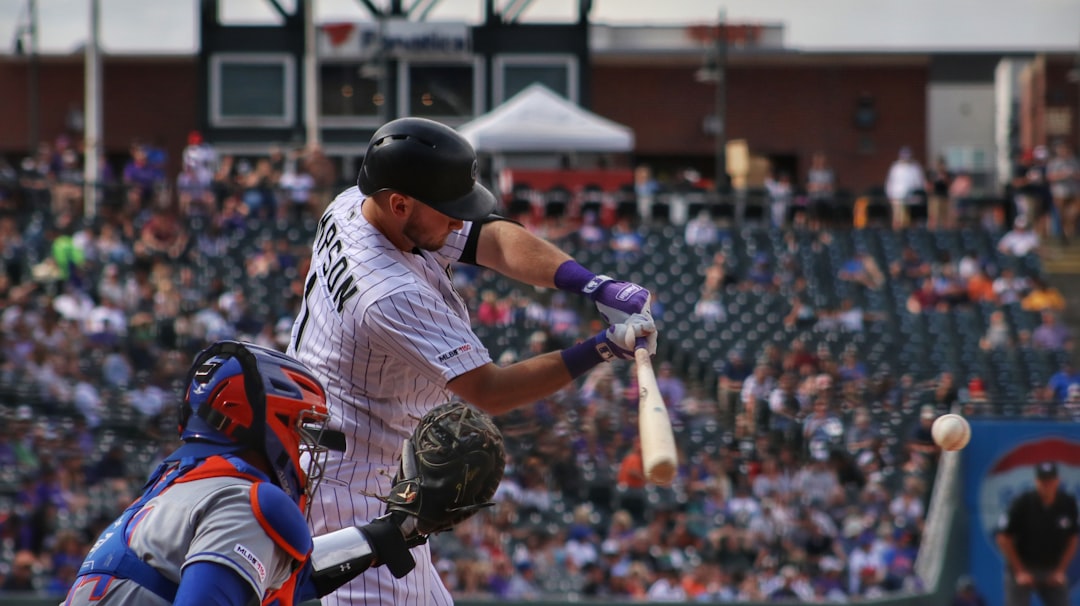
[345, 567]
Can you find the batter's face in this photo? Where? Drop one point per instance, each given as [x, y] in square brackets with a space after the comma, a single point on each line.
[428, 228]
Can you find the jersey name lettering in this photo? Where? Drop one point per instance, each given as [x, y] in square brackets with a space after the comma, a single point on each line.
[335, 266]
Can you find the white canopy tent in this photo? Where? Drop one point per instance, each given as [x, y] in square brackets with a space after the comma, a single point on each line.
[539, 120]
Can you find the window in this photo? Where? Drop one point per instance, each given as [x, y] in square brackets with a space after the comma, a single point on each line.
[252, 90]
[513, 73]
[440, 90]
[349, 93]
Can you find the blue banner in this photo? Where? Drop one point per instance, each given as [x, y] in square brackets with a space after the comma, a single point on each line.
[998, 465]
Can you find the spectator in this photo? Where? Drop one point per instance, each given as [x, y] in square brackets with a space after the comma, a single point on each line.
[1031, 190]
[671, 386]
[939, 179]
[1063, 175]
[625, 241]
[590, 234]
[1062, 380]
[760, 274]
[785, 411]
[816, 481]
[297, 184]
[1042, 297]
[920, 440]
[950, 289]
[142, 177]
[980, 288]
[909, 267]
[904, 181]
[852, 370]
[772, 482]
[820, 188]
[21, 577]
[733, 372]
[925, 299]
[1010, 288]
[908, 504]
[998, 334]
[631, 469]
[709, 308]
[194, 190]
[862, 434]
[755, 395]
[967, 594]
[781, 195]
[801, 315]
[492, 311]
[717, 274]
[1051, 335]
[163, 236]
[666, 587]
[1020, 241]
[945, 392]
[701, 230]
[863, 269]
[562, 319]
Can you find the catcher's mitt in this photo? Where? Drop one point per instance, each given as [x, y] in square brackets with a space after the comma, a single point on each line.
[449, 469]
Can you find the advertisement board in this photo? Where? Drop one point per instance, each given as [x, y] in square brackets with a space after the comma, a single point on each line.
[998, 465]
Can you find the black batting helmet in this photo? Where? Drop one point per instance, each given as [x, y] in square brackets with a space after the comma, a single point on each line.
[429, 161]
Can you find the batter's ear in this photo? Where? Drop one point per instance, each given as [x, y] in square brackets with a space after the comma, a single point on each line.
[400, 205]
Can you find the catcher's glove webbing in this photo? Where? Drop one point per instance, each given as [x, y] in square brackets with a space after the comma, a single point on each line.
[449, 469]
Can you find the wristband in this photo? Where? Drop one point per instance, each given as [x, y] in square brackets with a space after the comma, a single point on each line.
[585, 356]
[572, 277]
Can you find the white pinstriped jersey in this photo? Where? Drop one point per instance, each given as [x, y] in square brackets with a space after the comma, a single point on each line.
[385, 331]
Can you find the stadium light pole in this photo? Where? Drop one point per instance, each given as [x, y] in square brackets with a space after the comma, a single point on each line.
[721, 104]
[32, 76]
[92, 122]
[714, 71]
[717, 72]
[311, 80]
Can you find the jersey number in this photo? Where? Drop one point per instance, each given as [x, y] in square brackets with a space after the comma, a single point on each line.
[304, 311]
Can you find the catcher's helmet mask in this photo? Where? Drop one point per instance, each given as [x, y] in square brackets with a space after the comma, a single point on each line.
[277, 409]
[429, 161]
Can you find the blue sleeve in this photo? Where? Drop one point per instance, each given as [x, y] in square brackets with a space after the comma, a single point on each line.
[210, 584]
[305, 585]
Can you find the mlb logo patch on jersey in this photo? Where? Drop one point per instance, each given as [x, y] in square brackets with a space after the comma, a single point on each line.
[455, 352]
[254, 561]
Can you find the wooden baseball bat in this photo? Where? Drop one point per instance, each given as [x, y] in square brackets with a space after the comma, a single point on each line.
[654, 424]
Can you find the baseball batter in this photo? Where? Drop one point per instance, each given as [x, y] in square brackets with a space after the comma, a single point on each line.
[221, 521]
[383, 327]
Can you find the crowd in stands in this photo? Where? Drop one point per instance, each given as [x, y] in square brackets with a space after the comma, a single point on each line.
[806, 463]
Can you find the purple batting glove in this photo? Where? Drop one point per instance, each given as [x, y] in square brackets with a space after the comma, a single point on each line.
[615, 300]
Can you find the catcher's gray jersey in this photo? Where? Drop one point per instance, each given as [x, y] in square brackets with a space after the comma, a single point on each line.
[385, 331]
[206, 520]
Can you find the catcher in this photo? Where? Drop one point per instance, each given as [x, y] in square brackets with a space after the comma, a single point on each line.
[222, 521]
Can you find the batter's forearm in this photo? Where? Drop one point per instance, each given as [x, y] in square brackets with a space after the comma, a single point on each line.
[514, 252]
[497, 390]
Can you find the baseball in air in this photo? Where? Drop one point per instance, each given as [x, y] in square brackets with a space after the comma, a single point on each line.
[951, 432]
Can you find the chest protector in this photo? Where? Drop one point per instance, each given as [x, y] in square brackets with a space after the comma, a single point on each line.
[111, 557]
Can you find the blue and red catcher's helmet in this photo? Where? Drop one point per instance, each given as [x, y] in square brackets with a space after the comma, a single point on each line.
[242, 396]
